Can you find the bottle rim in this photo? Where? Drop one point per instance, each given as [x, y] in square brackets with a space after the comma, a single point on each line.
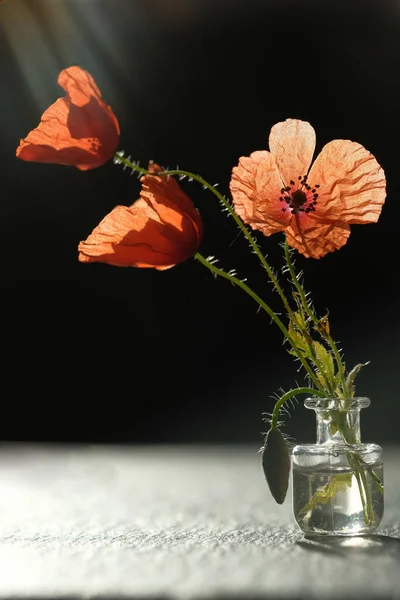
[316, 403]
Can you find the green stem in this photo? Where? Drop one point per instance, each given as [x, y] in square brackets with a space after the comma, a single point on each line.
[264, 305]
[287, 396]
[314, 318]
[364, 502]
[306, 307]
[357, 464]
[318, 363]
[228, 207]
[378, 482]
[254, 246]
[365, 494]
[368, 496]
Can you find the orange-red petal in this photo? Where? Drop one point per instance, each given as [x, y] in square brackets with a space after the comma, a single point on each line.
[351, 180]
[164, 195]
[314, 237]
[256, 188]
[78, 130]
[292, 143]
[79, 85]
[159, 230]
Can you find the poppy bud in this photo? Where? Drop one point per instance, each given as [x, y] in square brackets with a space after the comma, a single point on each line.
[276, 464]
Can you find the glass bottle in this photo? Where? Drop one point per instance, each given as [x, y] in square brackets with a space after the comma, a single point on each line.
[337, 482]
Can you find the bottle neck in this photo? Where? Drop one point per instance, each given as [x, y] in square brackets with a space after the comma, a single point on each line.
[338, 419]
[338, 426]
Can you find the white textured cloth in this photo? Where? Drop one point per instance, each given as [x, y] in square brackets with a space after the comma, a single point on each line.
[174, 523]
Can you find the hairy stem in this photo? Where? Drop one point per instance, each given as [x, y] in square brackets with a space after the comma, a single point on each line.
[230, 210]
[314, 318]
[357, 464]
[119, 158]
[268, 310]
[287, 396]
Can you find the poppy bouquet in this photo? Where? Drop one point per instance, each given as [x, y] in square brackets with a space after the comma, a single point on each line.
[277, 190]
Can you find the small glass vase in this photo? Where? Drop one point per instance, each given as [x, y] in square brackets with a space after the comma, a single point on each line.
[337, 482]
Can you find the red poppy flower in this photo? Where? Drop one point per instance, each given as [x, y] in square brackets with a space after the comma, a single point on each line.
[79, 130]
[275, 191]
[159, 230]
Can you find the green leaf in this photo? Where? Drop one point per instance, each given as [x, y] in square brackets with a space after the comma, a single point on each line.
[276, 464]
[326, 361]
[353, 374]
[299, 322]
[323, 495]
[298, 331]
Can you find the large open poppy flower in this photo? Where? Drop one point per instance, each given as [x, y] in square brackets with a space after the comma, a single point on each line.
[79, 130]
[159, 230]
[277, 191]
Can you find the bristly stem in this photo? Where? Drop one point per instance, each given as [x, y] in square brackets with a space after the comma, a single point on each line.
[283, 399]
[314, 318]
[119, 158]
[264, 305]
[228, 207]
[375, 477]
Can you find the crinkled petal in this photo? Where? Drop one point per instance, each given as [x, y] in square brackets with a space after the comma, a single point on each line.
[256, 188]
[314, 237]
[79, 85]
[163, 194]
[51, 142]
[351, 180]
[79, 130]
[292, 143]
[159, 230]
[133, 237]
[96, 119]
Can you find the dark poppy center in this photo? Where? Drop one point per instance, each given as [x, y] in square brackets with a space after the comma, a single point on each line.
[298, 198]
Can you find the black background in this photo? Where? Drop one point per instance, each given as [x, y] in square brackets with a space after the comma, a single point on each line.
[98, 353]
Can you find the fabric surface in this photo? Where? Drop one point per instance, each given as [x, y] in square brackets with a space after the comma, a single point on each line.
[183, 522]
